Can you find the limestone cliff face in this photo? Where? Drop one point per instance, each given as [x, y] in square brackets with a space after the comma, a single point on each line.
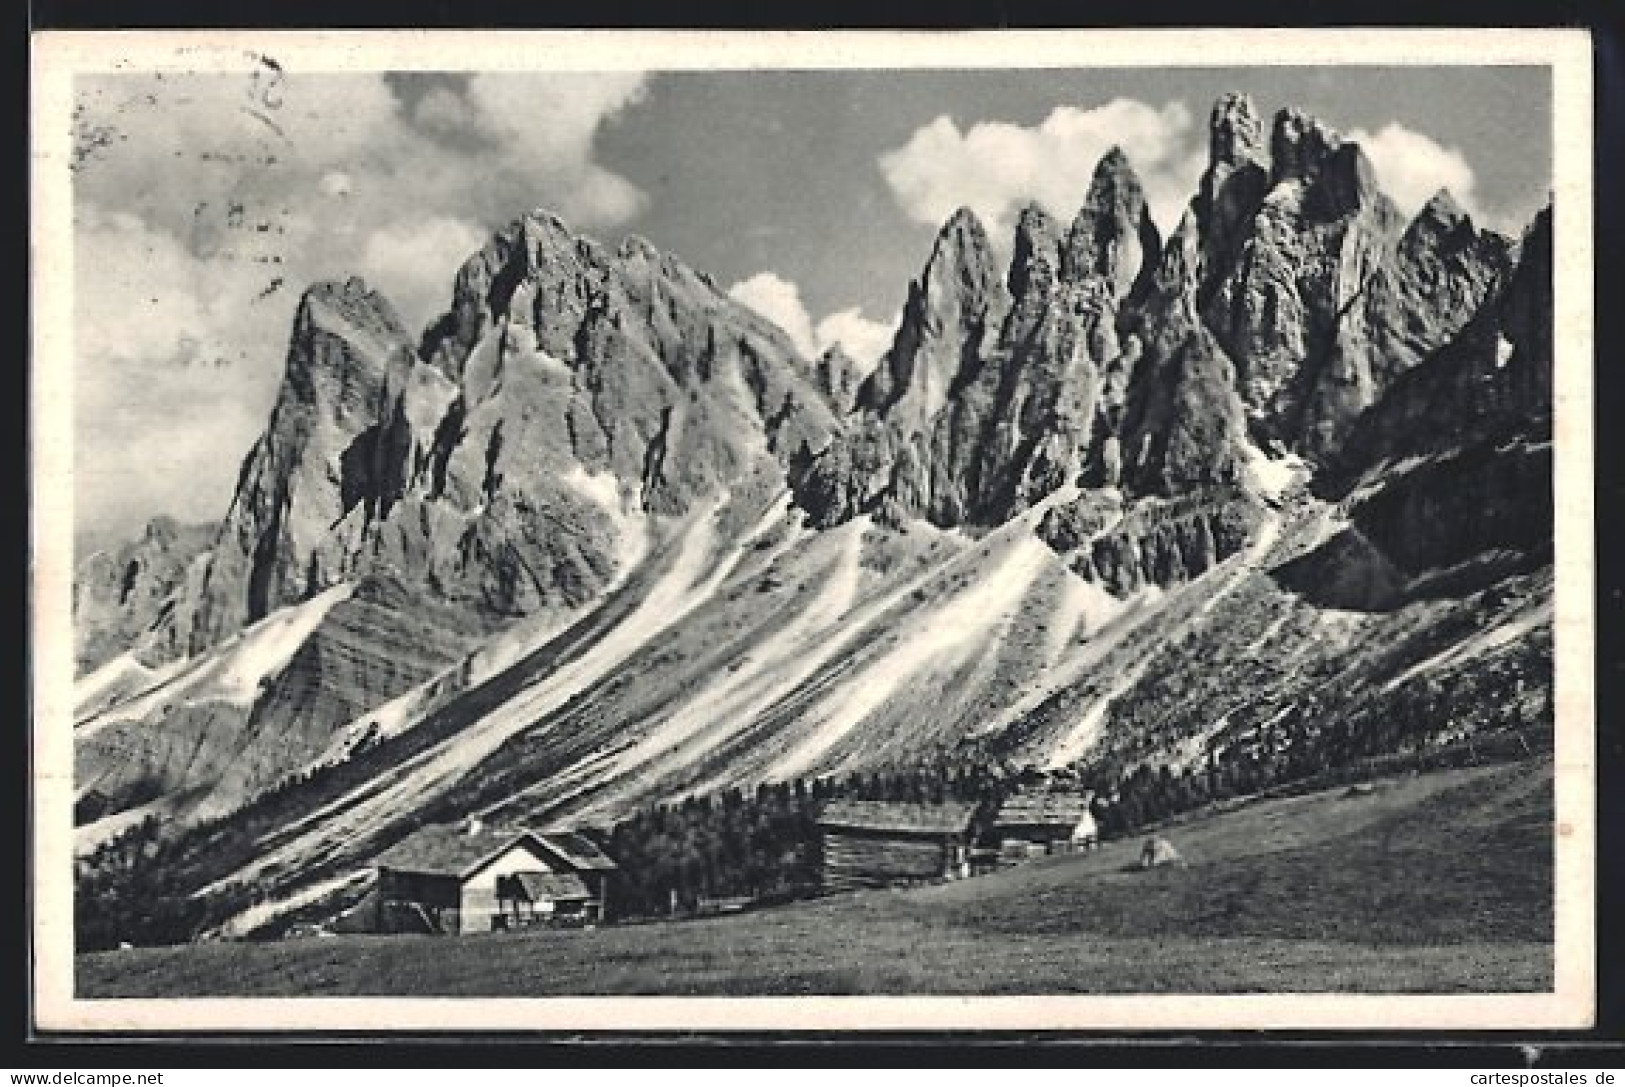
[209, 747]
[1183, 425]
[1456, 459]
[120, 594]
[1323, 294]
[1492, 381]
[514, 461]
[1304, 257]
[337, 441]
[988, 399]
[511, 459]
[838, 376]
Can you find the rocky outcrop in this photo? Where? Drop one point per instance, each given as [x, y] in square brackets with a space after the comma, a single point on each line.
[988, 400]
[1301, 261]
[514, 460]
[1415, 302]
[212, 749]
[1154, 542]
[119, 594]
[1455, 460]
[1182, 425]
[1322, 295]
[838, 375]
[1491, 382]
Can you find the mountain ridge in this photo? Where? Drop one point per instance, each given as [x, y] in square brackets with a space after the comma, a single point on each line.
[654, 551]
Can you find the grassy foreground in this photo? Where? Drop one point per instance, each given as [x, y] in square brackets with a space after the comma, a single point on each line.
[1439, 883]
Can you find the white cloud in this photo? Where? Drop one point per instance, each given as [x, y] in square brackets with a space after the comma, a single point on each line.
[206, 212]
[336, 184]
[996, 167]
[1411, 167]
[779, 300]
[862, 339]
[550, 117]
[413, 264]
[166, 397]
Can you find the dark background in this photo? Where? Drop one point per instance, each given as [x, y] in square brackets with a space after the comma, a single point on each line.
[1598, 1048]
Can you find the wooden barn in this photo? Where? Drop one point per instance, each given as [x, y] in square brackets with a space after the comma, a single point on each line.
[467, 878]
[876, 843]
[1036, 823]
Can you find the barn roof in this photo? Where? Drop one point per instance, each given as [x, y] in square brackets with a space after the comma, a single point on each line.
[447, 849]
[1043, 810]
[554, 886]
[950, 817]
[579, 851]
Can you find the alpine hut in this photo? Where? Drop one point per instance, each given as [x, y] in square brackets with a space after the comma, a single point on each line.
[876, 843]
[468, 878]
[1032, 824]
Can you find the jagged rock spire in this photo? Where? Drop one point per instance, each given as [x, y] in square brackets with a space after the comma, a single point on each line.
[959, 295]
[1235, 133]
[1036, 259]
[1113, 236]
[1299, 145]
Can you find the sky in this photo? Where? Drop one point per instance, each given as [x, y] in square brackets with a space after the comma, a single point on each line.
[205, 204]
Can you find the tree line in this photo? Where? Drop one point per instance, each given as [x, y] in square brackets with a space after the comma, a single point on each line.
[762, 845]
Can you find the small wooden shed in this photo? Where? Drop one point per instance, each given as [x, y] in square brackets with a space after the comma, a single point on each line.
[1045, 822]
[531, 898]
[877, 843]
[453, 878]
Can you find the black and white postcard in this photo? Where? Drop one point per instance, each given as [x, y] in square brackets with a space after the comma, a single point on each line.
[725, 531]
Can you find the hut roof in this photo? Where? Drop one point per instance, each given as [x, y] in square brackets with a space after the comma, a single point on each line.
[1043, 810]
[578, 850]
[554, 886]
[447, 849]
[950, 817]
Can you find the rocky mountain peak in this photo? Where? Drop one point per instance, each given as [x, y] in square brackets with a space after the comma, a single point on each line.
[1443, 208]
[1236, 179]
[1113, 236]
[347, 350]
[635, 247]
[1444, 231]
[959, 297]
[837, 375]
[1235, 132]
[1036, 258]
[347, 308]
[962, 255]
[1299, 145]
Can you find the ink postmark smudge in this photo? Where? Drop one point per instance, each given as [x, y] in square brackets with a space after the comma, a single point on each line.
[234, 167]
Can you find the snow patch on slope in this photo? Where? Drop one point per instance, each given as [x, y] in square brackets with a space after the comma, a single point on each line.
[118, 680]
[939, 637]
[1483, 642]
[691, 578]
[1271, 477]
[632, 531]
[236, 671]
